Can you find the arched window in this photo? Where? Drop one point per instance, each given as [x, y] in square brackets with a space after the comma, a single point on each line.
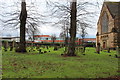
[104, 23]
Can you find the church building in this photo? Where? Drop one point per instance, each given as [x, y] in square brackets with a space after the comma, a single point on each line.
[108, 25]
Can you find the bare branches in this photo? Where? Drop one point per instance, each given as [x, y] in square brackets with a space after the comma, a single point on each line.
[86, 11]
[34, 18]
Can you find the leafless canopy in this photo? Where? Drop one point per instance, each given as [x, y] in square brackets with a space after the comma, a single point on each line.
[10, 19]
[60, 10]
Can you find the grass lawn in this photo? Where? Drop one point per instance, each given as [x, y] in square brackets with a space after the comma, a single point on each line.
[53, 65]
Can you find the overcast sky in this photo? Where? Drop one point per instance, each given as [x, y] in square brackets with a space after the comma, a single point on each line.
[47, 29]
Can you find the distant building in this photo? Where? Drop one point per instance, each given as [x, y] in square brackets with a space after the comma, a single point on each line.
[87, 40]
[108, 25]
[16, 39]
[47, 39]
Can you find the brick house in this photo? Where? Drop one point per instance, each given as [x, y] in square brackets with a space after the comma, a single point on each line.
[107, 29]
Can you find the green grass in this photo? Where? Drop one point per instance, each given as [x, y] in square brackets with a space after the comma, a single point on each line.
[53, 65]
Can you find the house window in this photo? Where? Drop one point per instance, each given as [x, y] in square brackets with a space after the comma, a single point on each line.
[104, 23]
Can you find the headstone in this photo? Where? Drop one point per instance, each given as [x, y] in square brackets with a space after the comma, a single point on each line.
[108, 50]
[29, 50]
[45, 51]
[55, 48]
[5, 45]
[98, 48]
[40, 51]
[47, 47]
[11, 46]
[118, 51]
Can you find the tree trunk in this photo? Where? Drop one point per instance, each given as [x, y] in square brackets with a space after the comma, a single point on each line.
[23, 17]
[71, 48]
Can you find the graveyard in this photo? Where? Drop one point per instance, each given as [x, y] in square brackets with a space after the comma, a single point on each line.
[63, 39]
[45, 62]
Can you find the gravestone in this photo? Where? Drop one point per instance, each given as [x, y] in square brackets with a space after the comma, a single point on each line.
[98, 48]
[47, 47]
[40, 51]
[37, 47]
[108, 50]
[5, 45]
[11, 46]
[118, 52]
[29, 50]
[81, 49]
[45, 51]
[55, 48]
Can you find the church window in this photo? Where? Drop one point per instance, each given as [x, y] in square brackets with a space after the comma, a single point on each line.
[104, 23]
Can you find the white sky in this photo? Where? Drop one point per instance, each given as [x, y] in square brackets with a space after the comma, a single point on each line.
[47, 29]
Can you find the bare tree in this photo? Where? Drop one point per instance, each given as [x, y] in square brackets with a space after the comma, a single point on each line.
[26, 19]
[83, 32]
[73, 26]
[73, 13]
[53, 37]
[65, 32]
[64, 35]
[23, 17]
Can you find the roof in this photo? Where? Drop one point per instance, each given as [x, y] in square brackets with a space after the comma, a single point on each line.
[42, 36]
[113, 7]
[89, 39]
[8, 37]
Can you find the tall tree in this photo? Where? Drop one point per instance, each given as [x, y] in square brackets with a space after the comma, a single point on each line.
[23, 17]
[71, 48]
[18, 17]
[62, 11]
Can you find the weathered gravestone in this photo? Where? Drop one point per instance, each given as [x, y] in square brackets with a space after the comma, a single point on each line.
[11, 47]
[55, 48]
[37, 47]
[5, 45]
[117, 52]
[40, 51]
[108, 50]
[98, 48]
[47, 47]
[45, 51]
[81, 49]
